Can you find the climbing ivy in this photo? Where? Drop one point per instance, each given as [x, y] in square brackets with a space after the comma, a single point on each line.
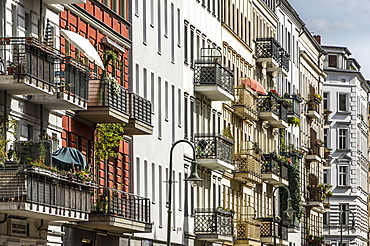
[10, 125]
[108, 137]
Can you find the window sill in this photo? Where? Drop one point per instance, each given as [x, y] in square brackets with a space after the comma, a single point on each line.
[343, 150]
[344, 186]
[343, 112]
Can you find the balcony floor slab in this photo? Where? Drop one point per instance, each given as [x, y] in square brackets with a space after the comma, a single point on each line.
[214, 92]
[136, 127]
[274, 179]
[215, 164]
[215, 237]
[247, 243]
[24, 86]
[104, 115]
[60, 101]
[270, 240]
[313, 158]
[313, 114]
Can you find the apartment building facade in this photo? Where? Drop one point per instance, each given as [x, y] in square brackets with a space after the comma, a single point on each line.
[346, 137]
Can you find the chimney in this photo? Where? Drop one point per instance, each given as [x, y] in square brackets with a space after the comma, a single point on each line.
[318, 38]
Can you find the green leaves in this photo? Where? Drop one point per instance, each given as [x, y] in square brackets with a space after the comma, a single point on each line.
[108, 137]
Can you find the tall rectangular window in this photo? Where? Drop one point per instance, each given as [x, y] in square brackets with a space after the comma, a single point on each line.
[165, 17]
[332, 61]
[191, 46]
[179, 106]
[326, 137]
[159, 107]
[138, 176]
[172, 33]
[145, 83]
[178, 27]
[192, 112]
[159, 41]
[152, 90]
[154, 188]
[343, 175]
[160, 195]
[186, 43]
[137, 79]
[325, 176]
[325, 100]
[144, 22]
[166, 101]
[180, 190]
[342, 102]
[173, 107]
[146, 179]
[342, 139]
[137, 8]
[186, 120]
[152, 13]
[344, 217]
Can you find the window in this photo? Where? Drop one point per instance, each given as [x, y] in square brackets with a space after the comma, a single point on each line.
[344, 217]
[144, 22]
[342, 141]
[343, 175]
[159, 107]
[178, 27]
[166, 102]
[152, 90]
[172, 33]
[326, 137]
[325, 100]
[333, 61]
[160, 196]
[342, 102]
[191, 46]
[325, 218]
[153, 182]
[152, 13]
[325, 176]
[179, 106]
[137, 8]
[186, 43]
[145, 81]
[165, 17]
[159, 28]
[146, 176]
[186, 116]
[137, 79]
[138, 176]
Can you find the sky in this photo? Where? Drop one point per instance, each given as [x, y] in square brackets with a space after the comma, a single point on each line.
[340, 23]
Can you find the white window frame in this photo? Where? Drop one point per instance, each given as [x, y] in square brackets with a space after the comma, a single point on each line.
[346, 105]
[346, 140]
[343, 174]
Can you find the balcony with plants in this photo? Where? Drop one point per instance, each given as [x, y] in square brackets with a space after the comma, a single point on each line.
[247, 232]
[313, 111]
[327, 158]
[71, 87]
[32, 186]
[140, 111]
[275, 168]
[245, 103]
[315, 240]
[269, 51]
[215, 151]
[315, 151]
[248, 166]
[273, 108]
[290, 151]
[212, 79]
[29, 66]
[120, 212]
[214, 224]
[268, 234]
[318, 195]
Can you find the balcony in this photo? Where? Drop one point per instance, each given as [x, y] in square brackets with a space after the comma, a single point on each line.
[247, 168]
[33, 192]
[107, 102]
[119, 212]
[30, 66]
[271, 109]
[274, 170]
[140, 121]
[215, 225]
[314, 153]
[64, 1]
[294, 109]
[211, 78]
[214, 151]
[267, 231]
[247, 232]
[71, 88]
[245, 103]
[270, 52]
[315, 197]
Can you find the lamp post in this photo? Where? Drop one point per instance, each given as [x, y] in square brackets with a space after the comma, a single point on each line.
[352, 229]
[193, 179]
[289, 211]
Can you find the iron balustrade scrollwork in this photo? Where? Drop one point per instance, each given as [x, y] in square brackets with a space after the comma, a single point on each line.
[272, 164]
[281, 228]
[209, 72]
[248, 164]
[213, 221]
[284, 60]
[268, 48]
[26, 183]
[248, 229]
[214, 146]
[269, 103]
[118, 203]
[140, 108]
[29, 57]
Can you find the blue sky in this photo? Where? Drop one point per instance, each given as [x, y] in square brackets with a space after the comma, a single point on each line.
[340, 23]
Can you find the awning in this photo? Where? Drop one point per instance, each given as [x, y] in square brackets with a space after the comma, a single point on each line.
[64, 157]
[83, 45]
[254, 85]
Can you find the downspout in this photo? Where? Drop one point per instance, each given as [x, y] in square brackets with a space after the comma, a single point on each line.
[41, 122]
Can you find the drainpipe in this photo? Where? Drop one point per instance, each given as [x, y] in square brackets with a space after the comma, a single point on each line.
[41, 121]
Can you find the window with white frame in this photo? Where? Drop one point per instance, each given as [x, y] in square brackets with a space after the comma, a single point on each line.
[343, 175]
[325, 100]
[344, 217]
[342, 138]
[342, 102]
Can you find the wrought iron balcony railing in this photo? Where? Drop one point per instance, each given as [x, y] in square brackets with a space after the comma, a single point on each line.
[106, 93]
[209, 71]
[272, 164]
[74, 78]
[213, 146]
[294, 109]
[268, 48]
[38, 186]
[248, 164]
[247, 100]
[108, 201]
[30, 58]
[213, 221]
[140, 108]
[281, 228]
[249, 229]
[284, 62]
[269, 103]
[314, 194]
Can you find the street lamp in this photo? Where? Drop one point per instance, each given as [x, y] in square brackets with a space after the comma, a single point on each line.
[193, 179]
[289, 211]
[352, 229]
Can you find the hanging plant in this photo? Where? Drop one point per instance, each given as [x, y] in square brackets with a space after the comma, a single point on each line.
[108, 137]
[110, 57]
[10, 124]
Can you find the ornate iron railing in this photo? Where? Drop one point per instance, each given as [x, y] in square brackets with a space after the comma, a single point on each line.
[284, 62]
[140, 108]
[269, 103]
[268, 48]
[213, 221]
[105, 93]
[28, 183]
[74, 78]
[245, 98]
[248, 164]
[214, 146]
[267, 228]
[295, 107]
[29, 57]
[272, 164]
[210, 72]
[314, 194]
[121, 204]
[249, 229]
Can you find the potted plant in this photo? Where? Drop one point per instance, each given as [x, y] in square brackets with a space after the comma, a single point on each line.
[294, 121]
